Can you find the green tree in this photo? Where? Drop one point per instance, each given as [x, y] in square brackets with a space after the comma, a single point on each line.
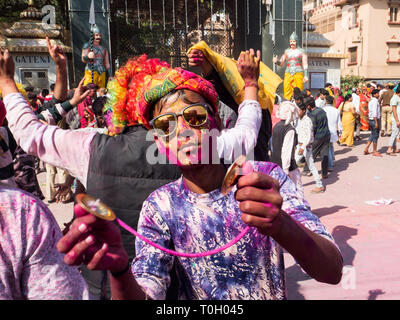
[351, 81]
[10, 10]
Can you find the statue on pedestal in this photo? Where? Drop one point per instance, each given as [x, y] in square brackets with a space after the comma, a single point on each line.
[97, 60]
[296, 73]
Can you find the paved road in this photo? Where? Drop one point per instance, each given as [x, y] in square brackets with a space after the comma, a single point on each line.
[367, 235]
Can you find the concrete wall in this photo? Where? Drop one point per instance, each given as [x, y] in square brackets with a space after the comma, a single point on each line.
[370, 36]
[26, 60]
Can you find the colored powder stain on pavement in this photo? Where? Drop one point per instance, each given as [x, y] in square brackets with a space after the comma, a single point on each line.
[364, 233]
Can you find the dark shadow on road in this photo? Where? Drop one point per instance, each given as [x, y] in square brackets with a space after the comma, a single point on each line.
[339, 165]
[383, 150]
[342, 235]
[294, 275]
[320, 212]
[343, 150]
[373, 294]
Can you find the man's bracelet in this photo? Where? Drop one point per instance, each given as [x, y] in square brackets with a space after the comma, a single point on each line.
[120, 273]
[251, 84]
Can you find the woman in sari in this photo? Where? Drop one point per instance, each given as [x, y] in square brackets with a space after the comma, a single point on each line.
[348, 111]
[364, 100]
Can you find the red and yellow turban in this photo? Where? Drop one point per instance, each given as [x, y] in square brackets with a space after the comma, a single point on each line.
[141, 83]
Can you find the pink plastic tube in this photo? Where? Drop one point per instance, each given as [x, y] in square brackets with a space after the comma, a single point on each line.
[182, 254]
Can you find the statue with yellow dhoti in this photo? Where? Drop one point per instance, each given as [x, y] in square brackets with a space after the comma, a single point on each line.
[97, 61]
[296, 73]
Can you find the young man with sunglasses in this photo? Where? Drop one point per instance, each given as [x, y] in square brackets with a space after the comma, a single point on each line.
[192, 214]
[109, 167]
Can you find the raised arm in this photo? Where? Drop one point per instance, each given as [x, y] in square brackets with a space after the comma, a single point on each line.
[55, 113]
[243, 137]
[62, 148]
[58, 56]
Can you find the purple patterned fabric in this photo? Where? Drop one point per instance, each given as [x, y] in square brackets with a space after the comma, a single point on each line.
[177, 218]
[30, 265]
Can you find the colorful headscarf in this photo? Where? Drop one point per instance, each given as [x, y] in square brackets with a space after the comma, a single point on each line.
[288, 111]
[141, 83]
[227, 70]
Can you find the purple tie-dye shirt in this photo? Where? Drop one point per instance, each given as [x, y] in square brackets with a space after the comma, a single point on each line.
[30, 265]
[176, 218]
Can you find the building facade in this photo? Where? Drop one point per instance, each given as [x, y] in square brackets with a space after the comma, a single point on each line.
[323, 62]
[367, 32]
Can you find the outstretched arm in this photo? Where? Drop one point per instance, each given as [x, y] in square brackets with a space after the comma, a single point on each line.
[275, 209]
[58, 56]
[62, 148]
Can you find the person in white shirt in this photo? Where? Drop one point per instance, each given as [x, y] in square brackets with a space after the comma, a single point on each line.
[321, 102]
[374, 116]
[356, 101]
[305, 134]
[395, 103]
[335, 126]
[284, 141]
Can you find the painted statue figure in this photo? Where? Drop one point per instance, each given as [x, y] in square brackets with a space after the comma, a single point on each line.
[97, 61]
[296, 73]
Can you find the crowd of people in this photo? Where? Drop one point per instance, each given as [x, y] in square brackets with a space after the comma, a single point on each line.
[97, 141]
[333, 116]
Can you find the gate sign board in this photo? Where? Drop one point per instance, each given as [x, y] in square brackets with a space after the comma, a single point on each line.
[80, 29]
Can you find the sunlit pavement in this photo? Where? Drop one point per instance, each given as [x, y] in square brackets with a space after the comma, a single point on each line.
[367, 235]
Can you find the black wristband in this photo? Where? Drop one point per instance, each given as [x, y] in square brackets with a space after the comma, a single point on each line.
[120, 273]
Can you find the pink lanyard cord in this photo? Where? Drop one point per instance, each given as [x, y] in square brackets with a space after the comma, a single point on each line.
[182, 254]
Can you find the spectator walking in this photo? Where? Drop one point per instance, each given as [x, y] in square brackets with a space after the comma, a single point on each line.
[357, 101]
[335, 128]
[322, 135]
[387, 111]
[305, 135]
[395, 103]
[320, 102]
[348, 112]
[374, 123]
[364, 100]
[284, 141]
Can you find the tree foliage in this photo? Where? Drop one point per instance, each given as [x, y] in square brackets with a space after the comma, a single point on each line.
[10, 9]
[351, 81]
